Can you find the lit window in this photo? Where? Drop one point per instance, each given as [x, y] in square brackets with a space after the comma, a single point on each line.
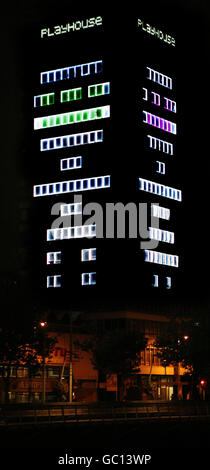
[160, 212]
[71, 232]
[72, 140]
[155, 280]
[72, 117]
[159, 78]
[157, 121]
[168, 282]
[160, 189]
[152, 256]
[98, 182]
[54, 281]
[71, 72]
[88, 254]
[88, 279]
[54, 257]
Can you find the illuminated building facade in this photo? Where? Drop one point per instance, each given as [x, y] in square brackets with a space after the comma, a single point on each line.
[106, 146]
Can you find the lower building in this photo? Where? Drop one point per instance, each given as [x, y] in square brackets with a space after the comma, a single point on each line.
[152, 382]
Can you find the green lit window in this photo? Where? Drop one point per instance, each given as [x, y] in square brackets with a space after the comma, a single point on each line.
[74, 116]
[71, 95]
[44, 100]
[99, 89]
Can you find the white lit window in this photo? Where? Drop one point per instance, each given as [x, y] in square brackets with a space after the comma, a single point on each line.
[161, 258]
[70, 163]
[73, 71]
[160, 212]
[155, 280]
[54, 257]
[88, 254]
[88, 279]
[71, 209]
[159, 78]
[160, 145]
[160, 189]
[85, 184]
[71, 232]
[71, 140]
[161, 235]
[168, 282]
[54, 281]
[161, 168]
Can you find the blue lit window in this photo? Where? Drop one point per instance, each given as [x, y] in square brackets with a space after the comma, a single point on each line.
[58, 75]
[71, 141]
[54, 281]
[51, 76]
[88, 279]
[58, 142]
[64, 187]
[51, 188]
[65, 74]
[85, 69]
[92, 136]
[78, 185]
[37, 190]
[107, 181]
[51, 144]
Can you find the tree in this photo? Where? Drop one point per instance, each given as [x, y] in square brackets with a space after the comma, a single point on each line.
[116, 352]
[187, 343]
[19, 349]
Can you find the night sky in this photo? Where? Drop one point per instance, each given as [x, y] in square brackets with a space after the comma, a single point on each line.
[194, 20]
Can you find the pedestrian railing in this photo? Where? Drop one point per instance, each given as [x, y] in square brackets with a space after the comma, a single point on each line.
[66, 413]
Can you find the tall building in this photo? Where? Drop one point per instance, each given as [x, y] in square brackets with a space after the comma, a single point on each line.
[107, 100]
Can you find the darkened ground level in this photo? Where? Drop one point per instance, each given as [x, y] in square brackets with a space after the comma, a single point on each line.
[148, 434]
[167, 441]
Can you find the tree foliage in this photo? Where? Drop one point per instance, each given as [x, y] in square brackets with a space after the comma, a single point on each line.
[116, 352]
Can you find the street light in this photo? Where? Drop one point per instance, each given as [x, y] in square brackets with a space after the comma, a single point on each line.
[43, 324]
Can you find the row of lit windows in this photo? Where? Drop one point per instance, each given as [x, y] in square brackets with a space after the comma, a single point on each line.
[74, 71]
[157, 257]
[74, 117]
[87, 279]
[170, 105]
[99, 89]
[160, 189]
[54, 257]
[159, 78]
[71, 209]
[72, 94]
[56, 143]
[66, 233]
[160, 123]
[156, 281]
[160, 212]
[85, 184]
[44, 100]
[160, 145]
[161, 235]
[70, 163]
